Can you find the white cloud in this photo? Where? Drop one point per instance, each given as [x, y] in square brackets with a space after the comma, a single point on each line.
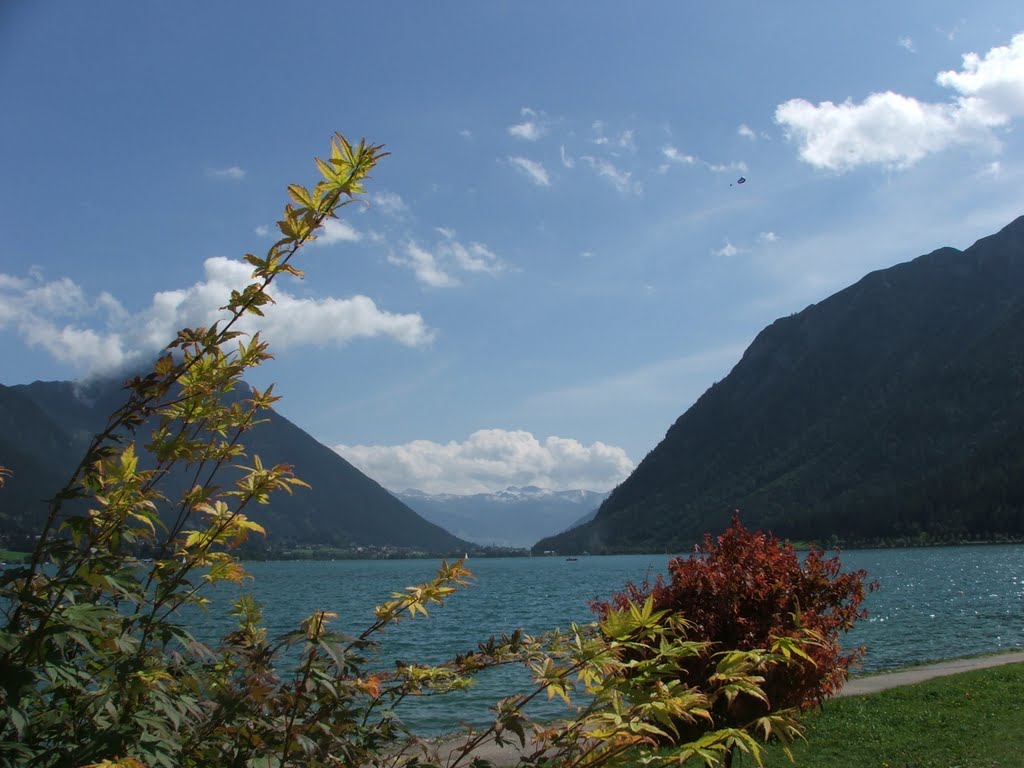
[737, 166]
[532, 169]
[621, 179]
[674, 155]
[337, 231]
[887, 128]
[567, 161]
[424, 265]
[234, 173]
[768, 237]
[897, 131]
[475, 257]
[263, 230]
[991, 88]
[906, 43]
[531, 128]
[626, 140]
[746, 131]
[436, 267]
[491, 460]
[466, 133]
[389, 203]
[98, 335]
[726, 250]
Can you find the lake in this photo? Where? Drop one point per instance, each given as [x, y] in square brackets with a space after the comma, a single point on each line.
[932, 604]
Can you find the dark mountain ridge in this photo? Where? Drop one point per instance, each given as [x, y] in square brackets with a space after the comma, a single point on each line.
[893, 410]
[45, 428]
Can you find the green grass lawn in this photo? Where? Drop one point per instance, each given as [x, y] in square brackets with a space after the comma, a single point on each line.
[10, 556]
[970, 720]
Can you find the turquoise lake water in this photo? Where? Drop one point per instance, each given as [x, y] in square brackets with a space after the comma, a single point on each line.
[933, 603]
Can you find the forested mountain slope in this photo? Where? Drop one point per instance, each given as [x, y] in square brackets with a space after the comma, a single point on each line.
[893, 411]
[46, 426]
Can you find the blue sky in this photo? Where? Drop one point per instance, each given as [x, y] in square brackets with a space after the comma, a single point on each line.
[556, 260]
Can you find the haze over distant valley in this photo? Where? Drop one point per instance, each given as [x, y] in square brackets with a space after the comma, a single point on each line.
[515, 517]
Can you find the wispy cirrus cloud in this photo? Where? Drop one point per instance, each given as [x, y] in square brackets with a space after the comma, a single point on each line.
[475, 257]
[233, 173]
[424, 265]
[389, 203]
[533, 170]
[439, 266]
[673, 155]
[531, 127]
[897, 131]
[726, 251]
[736, 166]
[620, 178]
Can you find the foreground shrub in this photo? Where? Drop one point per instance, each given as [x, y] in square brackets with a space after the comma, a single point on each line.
[747, 590]
[97, 667]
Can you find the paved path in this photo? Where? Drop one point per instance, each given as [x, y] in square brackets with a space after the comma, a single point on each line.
[508, 755]
[886, 680]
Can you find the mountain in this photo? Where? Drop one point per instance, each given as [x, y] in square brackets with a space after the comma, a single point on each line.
[515, 517]
[46, 426]
[891, 412]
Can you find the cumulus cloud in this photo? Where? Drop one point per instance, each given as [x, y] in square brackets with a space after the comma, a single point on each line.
[906, 43]
[991, 88]
[768, 237]
[897, 131]
[531, 128]
[532, 169]
[746, 131]
[437, 266]
[491, 460]
[234, 173]
[98, 335]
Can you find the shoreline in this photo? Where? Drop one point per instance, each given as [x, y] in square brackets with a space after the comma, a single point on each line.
[876, 682]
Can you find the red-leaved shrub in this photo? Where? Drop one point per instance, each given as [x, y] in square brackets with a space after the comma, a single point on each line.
[744, 589]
